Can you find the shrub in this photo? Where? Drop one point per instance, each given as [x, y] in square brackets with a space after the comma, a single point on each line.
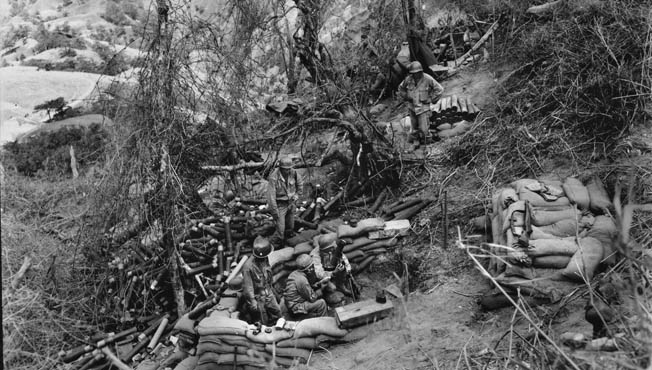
[14, 34]
[49, 151]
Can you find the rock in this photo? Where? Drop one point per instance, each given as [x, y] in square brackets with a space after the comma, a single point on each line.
[573, 340]
[602, 344]
[377, 109]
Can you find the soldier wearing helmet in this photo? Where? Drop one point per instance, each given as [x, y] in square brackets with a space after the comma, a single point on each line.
[300, 297]
[257, 284]
[419, 90]
[284, 188]
[330, 262]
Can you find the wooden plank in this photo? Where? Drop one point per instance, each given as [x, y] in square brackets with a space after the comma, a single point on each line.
[462, 103]
[362, 312]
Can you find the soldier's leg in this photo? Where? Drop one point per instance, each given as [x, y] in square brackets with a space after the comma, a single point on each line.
[424, 126]
[279, 235]
[414, 123]
[289, 219]
[273, 309]
[317, 308]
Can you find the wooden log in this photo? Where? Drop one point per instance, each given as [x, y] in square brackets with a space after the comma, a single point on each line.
[15, 282]
[410, 212]
[455, 107]
[360, 202]
[381, 198]
[333, 200]
[361, 313]
[406, 204]
[469, 105]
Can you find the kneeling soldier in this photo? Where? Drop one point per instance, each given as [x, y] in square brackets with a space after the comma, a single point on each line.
[300, 297]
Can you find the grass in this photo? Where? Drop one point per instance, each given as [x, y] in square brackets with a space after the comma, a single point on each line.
[49, 307]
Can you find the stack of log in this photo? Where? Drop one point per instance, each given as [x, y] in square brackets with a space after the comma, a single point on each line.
[451, 109]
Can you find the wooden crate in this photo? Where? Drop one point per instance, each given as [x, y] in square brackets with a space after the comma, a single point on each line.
[391, 229]
[361, 313]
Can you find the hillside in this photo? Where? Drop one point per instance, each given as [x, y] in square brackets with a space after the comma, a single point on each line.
[126, 126]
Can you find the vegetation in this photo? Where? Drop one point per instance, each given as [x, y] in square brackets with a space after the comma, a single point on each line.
[61, 37]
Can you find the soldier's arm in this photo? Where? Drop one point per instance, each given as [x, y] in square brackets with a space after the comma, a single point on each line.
[305, 291]
[271, 192]
[299, 185]
[402, 89]
[436, 91]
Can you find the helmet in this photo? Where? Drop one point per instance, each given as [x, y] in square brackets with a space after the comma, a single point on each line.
[304, 262]
[415, 67]
[262, 247]
[285, 162]
[229, 195]
[326, 240]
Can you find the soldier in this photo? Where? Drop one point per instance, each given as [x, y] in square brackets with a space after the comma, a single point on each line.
[300, 297]
[419, 91]
[258, 291]
[284, 188]
[331, 263]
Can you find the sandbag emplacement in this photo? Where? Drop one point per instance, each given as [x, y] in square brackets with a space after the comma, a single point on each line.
[303, 248]
[303, 236]
[275, 335]
[599, 199]
[577, 193]
[537, 200]
[552, 247]
[319, 325]
[232, 341]
[585, 261]
[542, 217]
[604, 229]
[551, 262]
[280, 256]
[567, 227]
[362, 228]
[301, 353]
[305, 342]
[215, 324]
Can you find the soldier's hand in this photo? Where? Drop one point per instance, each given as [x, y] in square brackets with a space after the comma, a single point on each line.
[253, 306]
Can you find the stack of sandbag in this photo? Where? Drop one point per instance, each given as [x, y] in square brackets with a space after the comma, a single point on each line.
[361, 251]
[228, 343]
[571, 231]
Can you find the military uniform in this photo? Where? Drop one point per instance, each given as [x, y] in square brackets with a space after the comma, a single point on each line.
[281, 195]
[302, 301]
[258, 291]
[419, 95]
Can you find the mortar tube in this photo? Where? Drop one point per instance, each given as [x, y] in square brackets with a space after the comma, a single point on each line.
[379, 200]
[220, 257]
[317, 216]
[227, 237]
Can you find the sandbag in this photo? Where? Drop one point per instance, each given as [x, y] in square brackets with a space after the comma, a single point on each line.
[220, 359]
[514, 213]
[552, 247]
[357, 244]
[187, 363]
[362, 228]
[542, 217]
[280, 256]
[214, 324]
[355, 254]
[275, 335]
[564, 228]
[537, 200]
[301, 353]
[577, 193]
[185, 325]
[520, 184]
[444, 126]
[551, 262]
[604, 229]
[537, 234]
[305, 342]
[303, 248]
[507, 196]
[229, 303]
[319, 325]
[385, 243]
[585, 261]
[203, 347]
[304, 236]
[598, 197]
[232, 340]
[460, 128]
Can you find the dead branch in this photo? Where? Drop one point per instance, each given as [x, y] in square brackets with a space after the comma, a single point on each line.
[543, 8]
[477, 45]
[15, 282]
[233, 167]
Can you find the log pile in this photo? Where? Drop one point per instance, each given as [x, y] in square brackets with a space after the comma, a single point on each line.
[451, 109]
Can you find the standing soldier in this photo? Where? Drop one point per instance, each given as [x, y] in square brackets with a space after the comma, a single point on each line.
[258, 290]
[419, 91]
[284, 188]
[300, 297]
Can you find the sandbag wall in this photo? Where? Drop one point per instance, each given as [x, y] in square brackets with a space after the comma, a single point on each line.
[225, 342]
[361, 252]
[571, 229]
